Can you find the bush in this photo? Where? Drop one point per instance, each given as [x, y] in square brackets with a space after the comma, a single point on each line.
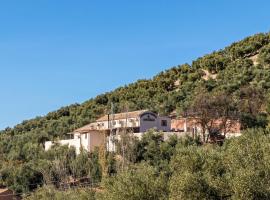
[140, 182]
[50, 193]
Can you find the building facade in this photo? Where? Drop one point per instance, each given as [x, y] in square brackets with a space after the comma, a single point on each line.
[191, 126]
[105, 129]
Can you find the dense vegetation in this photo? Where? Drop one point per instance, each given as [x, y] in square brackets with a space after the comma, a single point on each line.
[153, 169]
[183, 169]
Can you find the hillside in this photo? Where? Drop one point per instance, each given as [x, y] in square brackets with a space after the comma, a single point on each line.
[232, 67]
[237, 69]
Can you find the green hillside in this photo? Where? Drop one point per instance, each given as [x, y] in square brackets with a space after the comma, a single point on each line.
[241, 71]
[232, 68]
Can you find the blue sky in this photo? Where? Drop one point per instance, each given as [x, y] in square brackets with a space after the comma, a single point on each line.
[57, 52]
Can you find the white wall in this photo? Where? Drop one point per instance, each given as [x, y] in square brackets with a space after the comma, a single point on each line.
[122, 123]
[85, 141]
[88, 141]
[72, 142]
[148, 120]
[164, 128]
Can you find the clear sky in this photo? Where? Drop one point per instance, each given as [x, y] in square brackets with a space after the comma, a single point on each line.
[57, 52]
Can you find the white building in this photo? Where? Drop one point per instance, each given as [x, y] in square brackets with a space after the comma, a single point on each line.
[137, 121]
[106, 128]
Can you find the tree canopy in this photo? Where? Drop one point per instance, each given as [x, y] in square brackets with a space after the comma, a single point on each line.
[240, 74]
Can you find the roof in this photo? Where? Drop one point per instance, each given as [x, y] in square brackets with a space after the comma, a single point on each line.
[95, 126]
[2, 190]
[86, 128]
[125, 115]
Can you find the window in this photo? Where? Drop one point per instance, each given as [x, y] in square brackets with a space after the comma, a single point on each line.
[164, 123]
[136, 130]
[85, 136]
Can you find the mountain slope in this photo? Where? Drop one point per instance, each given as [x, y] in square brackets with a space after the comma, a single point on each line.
[230, 66]
[229, 70]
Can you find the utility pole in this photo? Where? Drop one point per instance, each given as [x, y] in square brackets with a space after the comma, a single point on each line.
[127, 110]
[125, 132]
[111, 126]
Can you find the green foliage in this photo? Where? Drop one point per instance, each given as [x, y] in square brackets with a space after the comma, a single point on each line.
[238, 170]
[21, 177]
[247, 161]
[214, 62]
[268, 110]
[141, 182]
[248, 46]
[49, 193]
[264, 56]
[86, 166]
[24, 165]
[198, 174]
[155, 151]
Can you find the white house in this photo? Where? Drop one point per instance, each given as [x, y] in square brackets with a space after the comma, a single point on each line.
[137, 121]
[106, 128]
